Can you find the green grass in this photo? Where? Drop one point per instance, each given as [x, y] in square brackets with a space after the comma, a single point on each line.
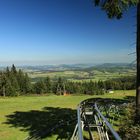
[23, 116]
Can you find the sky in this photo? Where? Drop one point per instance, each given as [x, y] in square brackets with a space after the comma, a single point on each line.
[63, 32]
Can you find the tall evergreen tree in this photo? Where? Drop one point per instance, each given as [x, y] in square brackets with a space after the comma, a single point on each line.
[20, 79]
[13, 69]
[6, 87]
[7, 72]
[40, 87]
[14, 83]
[115, 8]
[60, 86]
[26, 84]
[10, 90]
[48, 84]
[3, 83]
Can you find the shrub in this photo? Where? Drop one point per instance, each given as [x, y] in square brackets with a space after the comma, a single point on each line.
[129, 129]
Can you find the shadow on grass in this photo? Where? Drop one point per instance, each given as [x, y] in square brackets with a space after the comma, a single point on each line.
[42, 124]
[53, 121]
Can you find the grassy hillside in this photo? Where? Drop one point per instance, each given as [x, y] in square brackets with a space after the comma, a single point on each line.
[21, 117]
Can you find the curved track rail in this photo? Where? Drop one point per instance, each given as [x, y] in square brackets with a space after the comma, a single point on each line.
[90, 118]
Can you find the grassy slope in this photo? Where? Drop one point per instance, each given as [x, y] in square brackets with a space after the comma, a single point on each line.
[25, 104]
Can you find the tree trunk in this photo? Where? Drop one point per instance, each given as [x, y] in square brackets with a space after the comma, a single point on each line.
[138, 65]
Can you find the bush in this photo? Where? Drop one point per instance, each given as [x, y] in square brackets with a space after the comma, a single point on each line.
[129, 129]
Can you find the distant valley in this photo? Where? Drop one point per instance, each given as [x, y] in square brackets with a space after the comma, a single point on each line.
[81, 72]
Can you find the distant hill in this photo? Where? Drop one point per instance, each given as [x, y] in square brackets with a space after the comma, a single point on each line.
[113, 67]
[61, 67]
[110, 65]
[75, 67]
[80, 72]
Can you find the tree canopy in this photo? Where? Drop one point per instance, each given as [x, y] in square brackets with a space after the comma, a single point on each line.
[115, 8]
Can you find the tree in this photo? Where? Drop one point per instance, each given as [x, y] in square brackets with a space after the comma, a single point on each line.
[40, 87]
[14, 83]
[20, 79]
[60, 86]
[47, 82]
[3, 83]
[6, 87]
[7, 72]
[26, 84]
[115, 8]
[10, 90]
[13, 69]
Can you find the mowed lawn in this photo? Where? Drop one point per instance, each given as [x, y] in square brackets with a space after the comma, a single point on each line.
[25, 116]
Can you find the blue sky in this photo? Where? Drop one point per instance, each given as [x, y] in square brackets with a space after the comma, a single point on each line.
[63, 31]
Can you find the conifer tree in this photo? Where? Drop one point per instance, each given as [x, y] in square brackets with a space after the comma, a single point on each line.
[26, 84]
[7, 72]
[60, 86]
[13, 69]
[116, 8]
[3, 83]
[40, 87]
[14, 83]
[48, 84]
[10, 90]
[20, 79]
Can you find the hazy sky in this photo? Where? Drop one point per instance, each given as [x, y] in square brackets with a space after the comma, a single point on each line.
[63, 31]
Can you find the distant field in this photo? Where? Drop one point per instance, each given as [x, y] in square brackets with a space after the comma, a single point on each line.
[94, 75]
[21, 117]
